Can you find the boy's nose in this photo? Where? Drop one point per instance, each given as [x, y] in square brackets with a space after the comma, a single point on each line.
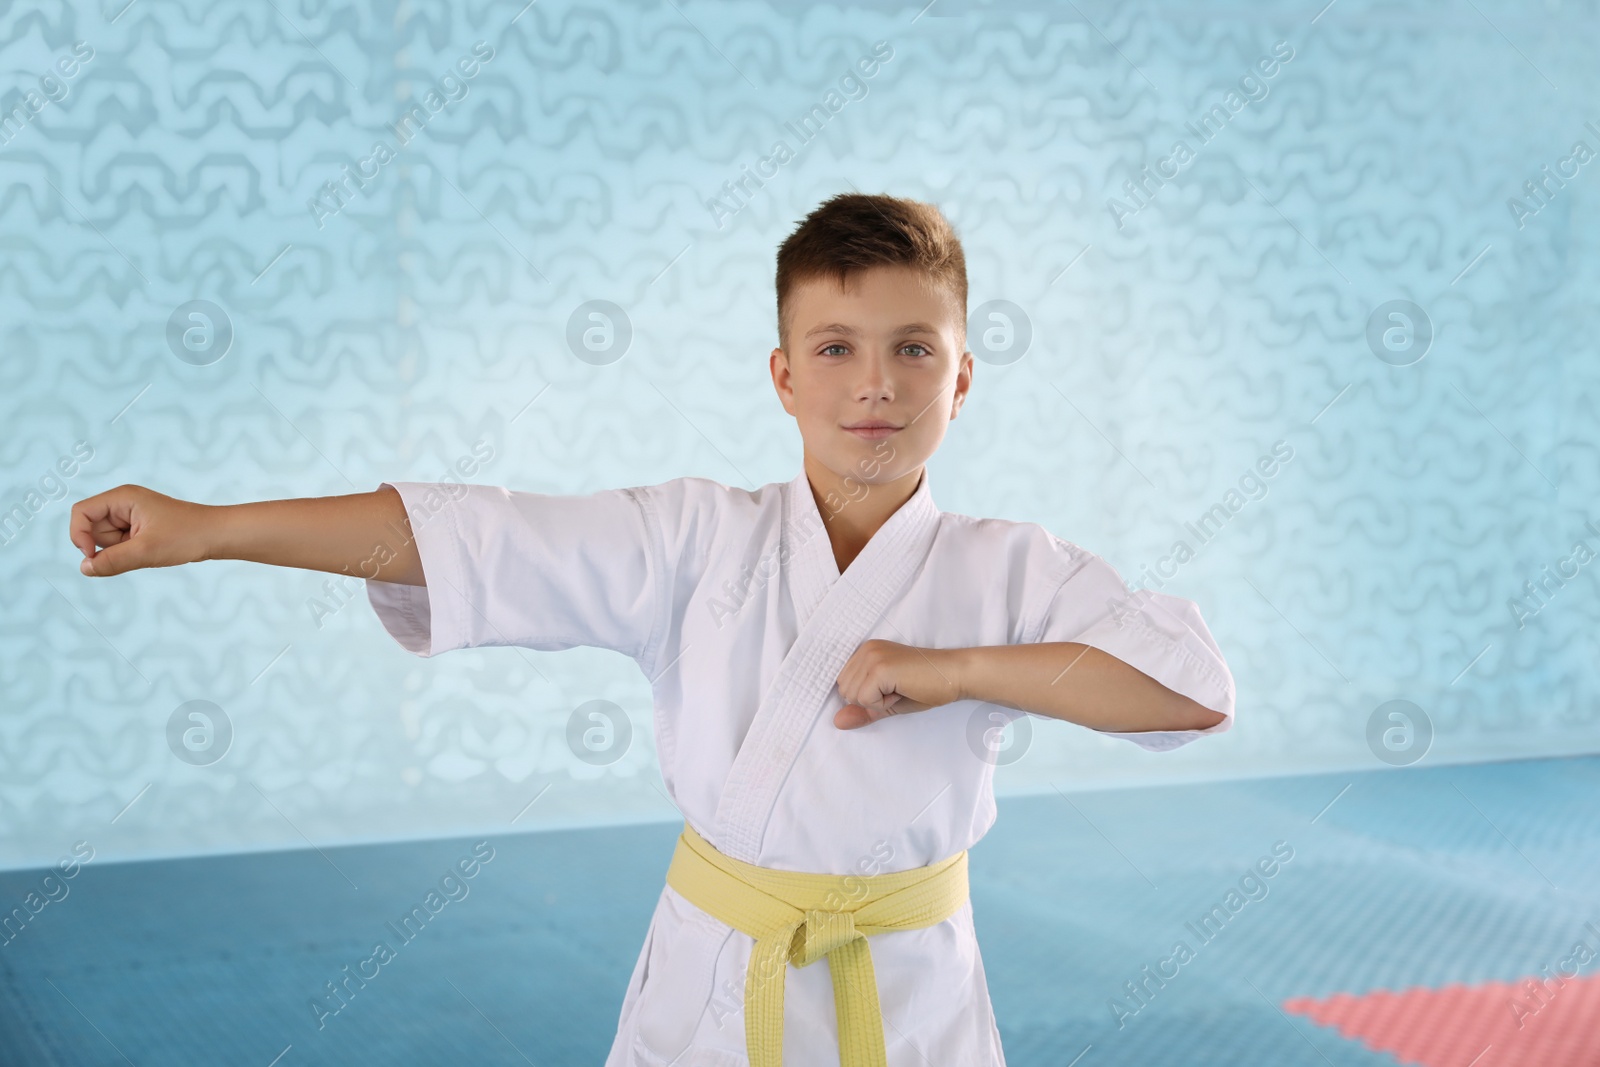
[875, 383]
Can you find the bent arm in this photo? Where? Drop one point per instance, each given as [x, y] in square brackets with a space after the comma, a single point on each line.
[1078, 683]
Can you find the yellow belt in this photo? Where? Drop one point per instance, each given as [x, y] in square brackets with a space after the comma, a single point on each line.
[799, 918]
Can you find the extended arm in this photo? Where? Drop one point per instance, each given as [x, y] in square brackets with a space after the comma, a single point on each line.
[367, 535]
[1058, 679]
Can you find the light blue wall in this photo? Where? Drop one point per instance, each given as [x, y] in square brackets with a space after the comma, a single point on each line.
[1174, 340]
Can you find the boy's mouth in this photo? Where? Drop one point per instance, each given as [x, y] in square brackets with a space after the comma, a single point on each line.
[872, 429]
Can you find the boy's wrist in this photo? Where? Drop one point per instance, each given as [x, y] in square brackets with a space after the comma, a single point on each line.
[958, 666]
[213, 525]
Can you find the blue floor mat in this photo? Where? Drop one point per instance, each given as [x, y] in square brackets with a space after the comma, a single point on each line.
[1397, 879]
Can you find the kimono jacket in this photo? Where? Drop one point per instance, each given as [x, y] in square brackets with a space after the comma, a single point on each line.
[733, 606]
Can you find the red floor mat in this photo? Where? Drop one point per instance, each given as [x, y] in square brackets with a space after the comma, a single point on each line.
[1534, 1022]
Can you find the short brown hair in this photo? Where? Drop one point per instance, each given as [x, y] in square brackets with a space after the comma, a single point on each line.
[853, 231]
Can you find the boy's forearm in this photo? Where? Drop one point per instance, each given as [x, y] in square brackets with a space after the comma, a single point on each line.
[363, 534]
[1077, 683]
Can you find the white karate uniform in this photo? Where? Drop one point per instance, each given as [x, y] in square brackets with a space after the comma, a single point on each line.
[732, 604]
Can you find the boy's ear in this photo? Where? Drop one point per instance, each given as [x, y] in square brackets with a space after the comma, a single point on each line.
[963, 383]
[778, 363]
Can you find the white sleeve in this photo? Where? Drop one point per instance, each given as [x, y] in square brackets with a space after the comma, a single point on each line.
[515, 568]
[1156, 633]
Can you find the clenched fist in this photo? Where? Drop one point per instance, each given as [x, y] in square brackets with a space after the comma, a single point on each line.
[134, 527]
[887, 678]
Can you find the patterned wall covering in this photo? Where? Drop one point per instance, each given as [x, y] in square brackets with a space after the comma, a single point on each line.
[292, 249]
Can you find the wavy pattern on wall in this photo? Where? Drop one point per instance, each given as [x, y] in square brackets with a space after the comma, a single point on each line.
[384, 326]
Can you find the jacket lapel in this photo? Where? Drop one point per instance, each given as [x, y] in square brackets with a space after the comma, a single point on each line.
[835, 613]
[812, 570]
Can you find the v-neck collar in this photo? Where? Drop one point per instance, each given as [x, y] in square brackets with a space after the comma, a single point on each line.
[807, 546]
[835, 614]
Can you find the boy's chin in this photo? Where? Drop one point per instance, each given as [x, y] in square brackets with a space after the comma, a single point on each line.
[873, 462]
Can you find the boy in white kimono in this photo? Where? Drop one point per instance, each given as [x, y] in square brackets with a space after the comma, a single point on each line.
[822, 653]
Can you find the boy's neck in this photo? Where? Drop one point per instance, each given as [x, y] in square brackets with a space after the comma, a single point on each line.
[852, 511]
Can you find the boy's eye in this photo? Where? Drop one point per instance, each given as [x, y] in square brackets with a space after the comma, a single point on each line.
[922, 350]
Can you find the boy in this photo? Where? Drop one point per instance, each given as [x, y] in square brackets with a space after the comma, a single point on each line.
[815, 696]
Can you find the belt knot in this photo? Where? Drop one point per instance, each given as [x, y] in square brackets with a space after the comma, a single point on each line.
[819, 933]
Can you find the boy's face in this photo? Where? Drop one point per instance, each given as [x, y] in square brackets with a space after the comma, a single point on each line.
[886, 349]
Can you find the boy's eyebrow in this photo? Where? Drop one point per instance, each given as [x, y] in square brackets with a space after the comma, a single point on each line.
[851, 331]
